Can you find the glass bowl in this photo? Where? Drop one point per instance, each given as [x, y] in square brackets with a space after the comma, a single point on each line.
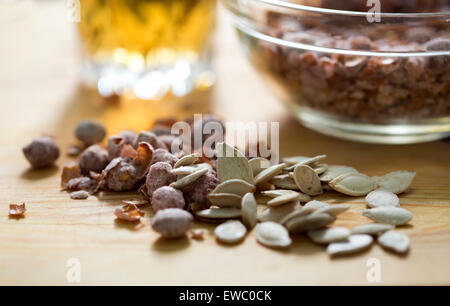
[354, 71]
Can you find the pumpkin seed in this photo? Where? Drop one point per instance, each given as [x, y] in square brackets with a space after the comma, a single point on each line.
[354, 243]
[265, 175]
[389, 215]
[316, 204]
[277, 213]
[295, 159]
[283, 199]
[187, 160]
[378, 198]
[184, 170]
[230, 232]
[280, 192]
[235, 186]
[219, 213]
[284, 181]
[308, 222]
[249, 210]
[395, 241]
[308, 161]
[332, 210]
[232, 164]
[371, 228]
[353, 184]
[188, 179]
[225, 200]
[258, 164]
[329, 235]
[272, 234]
[335, 171]
[300, 212]
[307, 180]
[320, 169]
[396, 182]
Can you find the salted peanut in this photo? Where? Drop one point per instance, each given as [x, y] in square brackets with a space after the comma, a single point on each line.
[276, 214]
[158, 175]
[225, 200]
[334, 171]
[329, 235]
[117, 142]
[17, 210]
[172, 222]
[150, 138]
[354, 244]
[307, 180]
[353, 184]
[168, 140]
[232, 164]
[72, 180]
[189, 179]
[79, 195]
[372, 228]
[162, 155]
[333, 210]
[161, 130]
[230, 232]
[129, 213]
[90, 132]
[124, 173]
[273, 235]
[316, 204]
[395, 241]
[284, 181]
[187, 160]
[309, 222]
[41, 152]
[249, 210]
[267, 174]
[167, 197]
[396, 182]
[197, 192]
[235, 186]
[74, 151]
[378, 198]
[258, 164]
[389, 215]
[95, 158]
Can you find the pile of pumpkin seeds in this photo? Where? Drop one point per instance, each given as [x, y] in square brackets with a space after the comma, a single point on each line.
[290, 210]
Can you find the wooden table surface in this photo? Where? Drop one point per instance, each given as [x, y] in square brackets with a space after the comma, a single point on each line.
[40, 93]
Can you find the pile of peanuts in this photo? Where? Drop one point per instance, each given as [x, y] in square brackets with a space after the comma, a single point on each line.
[141, 162]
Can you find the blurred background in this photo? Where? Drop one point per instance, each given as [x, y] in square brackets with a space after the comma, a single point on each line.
[61, 62]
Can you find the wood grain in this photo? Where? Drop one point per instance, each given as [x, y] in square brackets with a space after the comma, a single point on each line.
[40, 93]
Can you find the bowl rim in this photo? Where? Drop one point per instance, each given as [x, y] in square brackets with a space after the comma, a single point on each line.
[313, 9]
